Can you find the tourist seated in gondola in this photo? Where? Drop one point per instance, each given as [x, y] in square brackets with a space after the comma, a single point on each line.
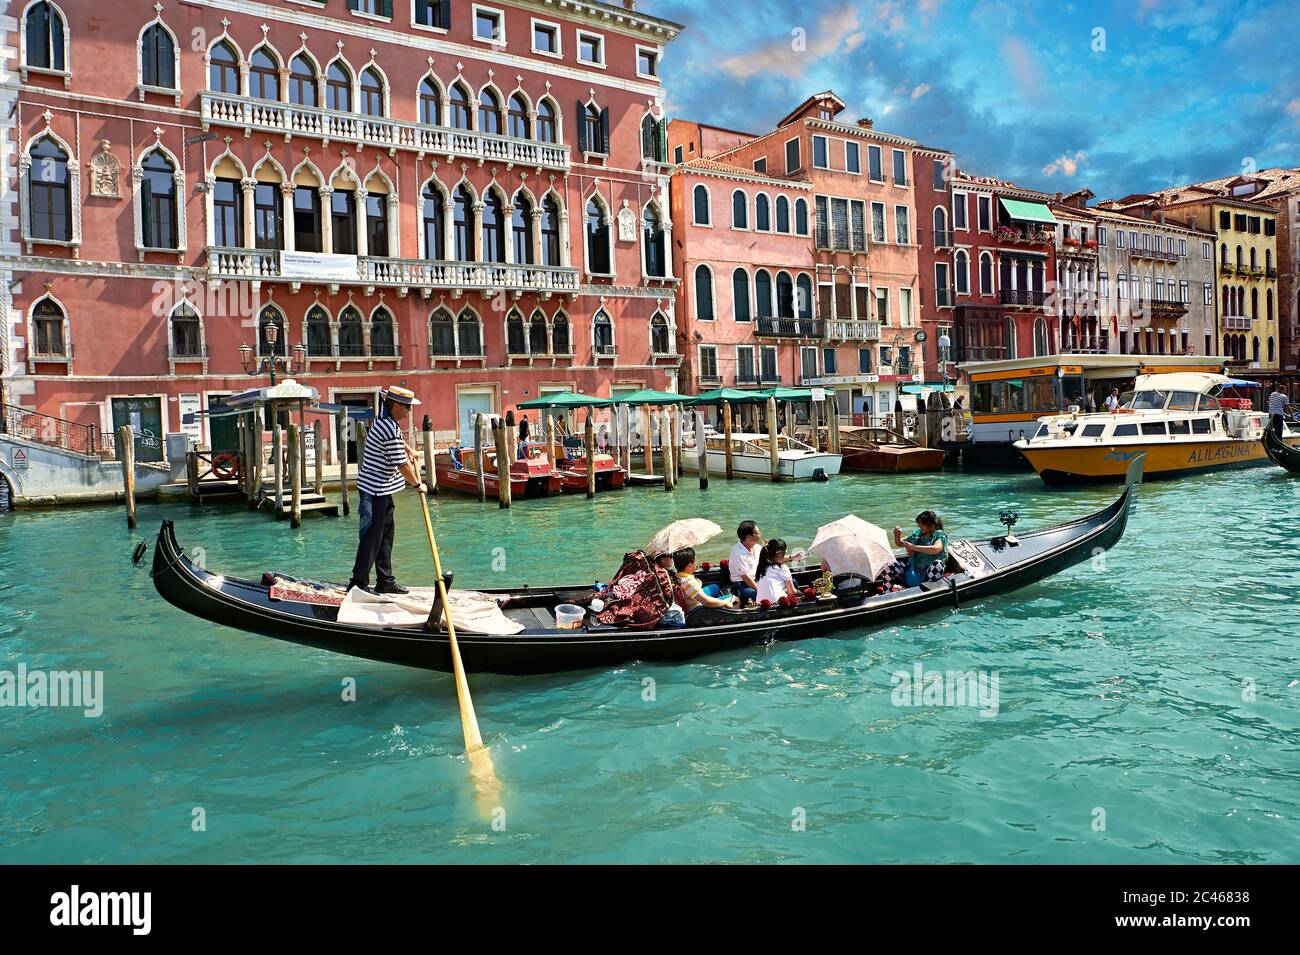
[639, 595]
[774, 578]
[927, 554]
[742, 562]
[690, 592]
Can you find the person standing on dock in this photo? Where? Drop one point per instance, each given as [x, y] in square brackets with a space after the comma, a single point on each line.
[387, 465]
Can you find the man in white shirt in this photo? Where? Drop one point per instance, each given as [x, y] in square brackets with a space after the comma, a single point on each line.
[742, 562]
[1112, 400]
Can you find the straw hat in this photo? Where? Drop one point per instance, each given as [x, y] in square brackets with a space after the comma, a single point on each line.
[403, 396]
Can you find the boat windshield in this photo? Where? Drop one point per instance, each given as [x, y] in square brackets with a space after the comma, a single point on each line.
[1147, 401]
[1183, 400]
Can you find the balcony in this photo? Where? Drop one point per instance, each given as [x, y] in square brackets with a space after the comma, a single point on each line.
[1079, 248]
[1019, 297]
[789, 327]
[259, 265]
[1270, 272]
[1167, 308]
[273, 117]
[1024, 235]
[1098, 344]
[848, 330]
[942, 238]
[1236, 323]
[945, 297]
[1159, 255]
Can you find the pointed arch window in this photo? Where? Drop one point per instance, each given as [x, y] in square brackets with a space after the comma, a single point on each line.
[186, 335]
[521, 230]
[383, 341]
[469, 335]
[302, 82]
[494, 229]
[489, 113]
[263, 76]
[700, 201]
[44, 28]
[458, 107]
[306, 219]
[431, 220]
[784, 295]
[372, 93]
[377, 223]
[318, 333]
[598, 252]
[804, 300]
[223, 69]
[594, 134]
[430, 103]
[656, 263]
[158, 202]
[157, 58]
[442, 334]
[462, 224]
[763, 293]
[550, 232]
[659, 339]
[740, 295]
[547, 127]
[268, 317]
[47, 328]
[516, 340]
[782, 214]
[338, 88]
[739, 210]
[703, 293]
[602, 330]
[343, 221]
[561, 339]
[537, 337]
[49, 198]
[228, 213]
[268, 216]
[352, 340]
[518, 117]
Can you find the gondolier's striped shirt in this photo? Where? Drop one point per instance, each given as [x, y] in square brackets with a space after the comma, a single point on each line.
[1277, 403]
[383, 454]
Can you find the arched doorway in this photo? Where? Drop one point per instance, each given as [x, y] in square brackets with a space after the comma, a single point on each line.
[6, 494]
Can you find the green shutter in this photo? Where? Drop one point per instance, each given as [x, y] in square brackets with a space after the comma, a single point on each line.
[581, 116]
[146, 214]
[604, 130]
[662, 126]
[444, 14]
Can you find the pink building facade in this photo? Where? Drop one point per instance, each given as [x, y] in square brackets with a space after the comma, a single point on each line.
[468, 199]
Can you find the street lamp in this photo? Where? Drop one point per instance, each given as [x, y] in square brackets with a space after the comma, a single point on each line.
[270, 363]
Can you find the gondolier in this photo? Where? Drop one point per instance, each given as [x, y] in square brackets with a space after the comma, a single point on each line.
[1277, 402]
[387, 465]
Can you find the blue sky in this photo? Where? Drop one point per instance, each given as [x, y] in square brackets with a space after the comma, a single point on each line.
[1120, 97]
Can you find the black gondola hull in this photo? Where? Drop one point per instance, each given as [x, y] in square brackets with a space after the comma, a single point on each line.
[992, 567]
[1279, 452]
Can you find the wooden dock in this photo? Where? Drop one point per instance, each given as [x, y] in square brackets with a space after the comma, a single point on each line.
[310, 502]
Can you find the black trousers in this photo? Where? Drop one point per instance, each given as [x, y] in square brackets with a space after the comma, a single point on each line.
[376, 547]
[1277, 424]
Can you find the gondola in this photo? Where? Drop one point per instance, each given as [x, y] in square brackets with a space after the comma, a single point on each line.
[979, 569]
[1279, 452]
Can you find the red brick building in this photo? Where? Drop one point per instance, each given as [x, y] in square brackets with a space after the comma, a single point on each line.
[932, 170]
[470, 199]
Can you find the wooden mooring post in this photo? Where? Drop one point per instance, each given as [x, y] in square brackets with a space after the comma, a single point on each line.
[478, 456]
[589, 445]
[701, 451]
[501, 436]
[295, 476]
[726, 437]
[277, 465]
[341, 452]
[430, 476]
[126, 455]
[318, 455]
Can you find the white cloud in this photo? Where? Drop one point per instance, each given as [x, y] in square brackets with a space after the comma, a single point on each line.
[837, 31]
[920, 91]
[1065, 164]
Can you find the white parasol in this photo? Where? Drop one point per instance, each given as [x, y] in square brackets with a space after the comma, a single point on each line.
[690, 532]
[853, 546]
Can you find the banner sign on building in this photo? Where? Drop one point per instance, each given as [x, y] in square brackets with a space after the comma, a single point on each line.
[318, 265]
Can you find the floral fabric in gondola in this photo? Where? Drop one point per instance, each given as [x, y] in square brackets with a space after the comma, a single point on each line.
[638, 596]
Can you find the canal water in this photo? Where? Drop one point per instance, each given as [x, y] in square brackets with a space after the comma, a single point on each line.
[1146, 704]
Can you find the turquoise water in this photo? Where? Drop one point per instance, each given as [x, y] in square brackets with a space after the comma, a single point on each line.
[1120, 693]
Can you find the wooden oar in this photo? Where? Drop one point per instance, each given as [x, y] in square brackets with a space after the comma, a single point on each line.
[480, 759]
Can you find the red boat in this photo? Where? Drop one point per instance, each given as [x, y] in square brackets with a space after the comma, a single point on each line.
[573, 473]
[531, 477]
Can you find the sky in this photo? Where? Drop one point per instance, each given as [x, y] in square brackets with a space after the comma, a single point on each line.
[1117, 97]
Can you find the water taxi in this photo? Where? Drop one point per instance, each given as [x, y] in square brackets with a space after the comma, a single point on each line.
[885, 451]
[1184, 422]
[751, 456]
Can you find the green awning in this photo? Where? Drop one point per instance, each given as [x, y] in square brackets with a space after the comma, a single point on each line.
[787, 394]
[564, 399]
[1028, 211]
[648, 396]
[733, 395]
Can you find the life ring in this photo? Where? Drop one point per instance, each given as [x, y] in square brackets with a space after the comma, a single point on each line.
[225, 465]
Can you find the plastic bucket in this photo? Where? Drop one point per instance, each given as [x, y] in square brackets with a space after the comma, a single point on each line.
[569, 616]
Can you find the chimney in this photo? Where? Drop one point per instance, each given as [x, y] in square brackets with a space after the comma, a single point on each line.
[865, 123]
[629, 5]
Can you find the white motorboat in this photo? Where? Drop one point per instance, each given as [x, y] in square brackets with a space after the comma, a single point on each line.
[751, 456]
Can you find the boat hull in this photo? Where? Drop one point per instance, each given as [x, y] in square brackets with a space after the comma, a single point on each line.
[466, 481]
[1281, 452]
[988, 567]
[1101, 463]
[574, 481]
[801, 467]
[891, 461]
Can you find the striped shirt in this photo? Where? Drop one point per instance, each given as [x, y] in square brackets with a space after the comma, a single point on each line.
[1277, 403]
[689, 592]
[383, 454]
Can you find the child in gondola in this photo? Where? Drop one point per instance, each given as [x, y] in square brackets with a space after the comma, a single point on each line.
[774, 578]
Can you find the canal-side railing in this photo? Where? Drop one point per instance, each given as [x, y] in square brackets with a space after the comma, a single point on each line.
[50, 431]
